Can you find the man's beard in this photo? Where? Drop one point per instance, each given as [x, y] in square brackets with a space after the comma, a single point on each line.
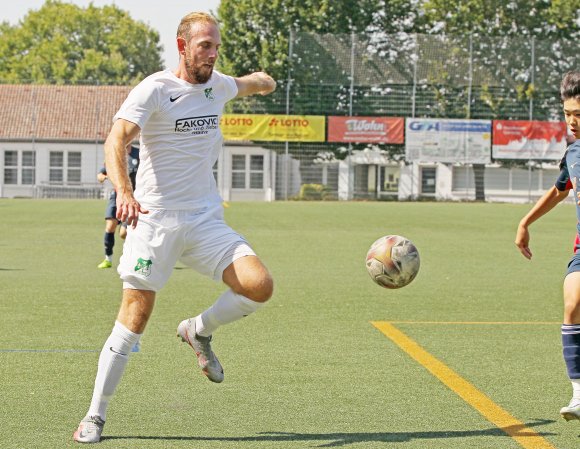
[199, 74]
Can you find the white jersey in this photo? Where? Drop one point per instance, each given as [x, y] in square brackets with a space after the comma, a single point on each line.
[180, 138]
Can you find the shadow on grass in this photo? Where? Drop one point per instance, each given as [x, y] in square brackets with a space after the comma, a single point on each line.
[343, 439]
[11, 269]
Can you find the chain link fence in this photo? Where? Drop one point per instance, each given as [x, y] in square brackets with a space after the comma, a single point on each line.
[402, 75]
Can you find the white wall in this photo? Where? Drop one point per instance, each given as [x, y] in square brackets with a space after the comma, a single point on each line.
[91, 161]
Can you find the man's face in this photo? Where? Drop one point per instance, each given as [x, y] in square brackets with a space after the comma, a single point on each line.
[572, 116]
[201, 52]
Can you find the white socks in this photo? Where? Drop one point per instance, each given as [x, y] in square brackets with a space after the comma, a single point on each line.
[576, 389]
[229, 307]
[112, 361]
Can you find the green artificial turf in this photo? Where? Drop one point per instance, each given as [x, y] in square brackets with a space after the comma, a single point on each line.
[309, 369]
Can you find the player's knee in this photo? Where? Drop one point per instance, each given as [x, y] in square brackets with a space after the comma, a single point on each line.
[260, 289]
[572, 310]
[110, 225]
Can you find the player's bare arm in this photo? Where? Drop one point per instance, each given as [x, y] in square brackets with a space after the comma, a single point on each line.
[545, 204]
[255, 83]
[122, 134]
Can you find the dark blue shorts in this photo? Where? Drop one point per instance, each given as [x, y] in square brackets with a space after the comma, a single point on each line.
[574, 264]
[111, 210]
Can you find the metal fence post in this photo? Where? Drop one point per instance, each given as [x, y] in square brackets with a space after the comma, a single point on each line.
[531, 114]
[415, 57]
[97, 121]
[351, 95]
[288, 83]
[468, 113]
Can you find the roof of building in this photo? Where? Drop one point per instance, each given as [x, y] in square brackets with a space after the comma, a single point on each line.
[58, 112]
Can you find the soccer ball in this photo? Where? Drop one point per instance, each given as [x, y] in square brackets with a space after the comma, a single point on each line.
[393, 261]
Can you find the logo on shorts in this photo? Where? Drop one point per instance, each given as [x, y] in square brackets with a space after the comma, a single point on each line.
[209, 93]
[143, 266]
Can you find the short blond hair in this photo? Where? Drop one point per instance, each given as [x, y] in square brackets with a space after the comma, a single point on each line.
[184, 28]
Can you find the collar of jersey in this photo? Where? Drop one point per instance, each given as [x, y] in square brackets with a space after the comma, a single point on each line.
[184, 84]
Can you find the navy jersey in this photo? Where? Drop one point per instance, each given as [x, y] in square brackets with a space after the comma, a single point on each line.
[573, 168]
[132, 165]
[563, 180]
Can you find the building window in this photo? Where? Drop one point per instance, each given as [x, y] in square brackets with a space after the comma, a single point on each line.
[23, 162]
[11, 167]
[238, 171]
[73, 173]
[428, 180]
[257, 171]
[247, 171]
[28, 168]
[65, 163]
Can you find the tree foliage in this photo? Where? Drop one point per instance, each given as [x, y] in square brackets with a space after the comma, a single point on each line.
[518, 18]
[62, 43]
[255, 33]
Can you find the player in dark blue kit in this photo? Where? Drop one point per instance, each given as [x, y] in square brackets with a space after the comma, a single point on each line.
[567, 180]
[111, 221]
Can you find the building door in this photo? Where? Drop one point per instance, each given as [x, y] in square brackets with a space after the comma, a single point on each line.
[428, 180]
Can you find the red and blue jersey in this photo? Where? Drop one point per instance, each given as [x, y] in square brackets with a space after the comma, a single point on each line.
[568, 179]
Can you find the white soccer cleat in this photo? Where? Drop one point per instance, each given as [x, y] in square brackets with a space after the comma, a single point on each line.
[89, 430]
[571, 411]
[206, 359]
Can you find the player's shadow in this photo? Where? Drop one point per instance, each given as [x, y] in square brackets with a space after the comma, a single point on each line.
[338, 439]
[11, 269]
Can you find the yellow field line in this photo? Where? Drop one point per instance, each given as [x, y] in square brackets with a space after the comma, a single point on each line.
[476, 322]
[516, 429]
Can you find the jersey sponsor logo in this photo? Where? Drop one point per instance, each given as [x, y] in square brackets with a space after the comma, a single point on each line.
[143, 266]
[172, 99]
[197, 125]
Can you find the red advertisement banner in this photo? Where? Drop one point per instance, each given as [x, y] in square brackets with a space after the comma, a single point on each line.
[366, 129]
[522, 139]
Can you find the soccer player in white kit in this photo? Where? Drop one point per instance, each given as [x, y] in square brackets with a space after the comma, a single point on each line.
[176, 212]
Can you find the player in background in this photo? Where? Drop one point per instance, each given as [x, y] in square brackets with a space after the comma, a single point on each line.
[176, 212]
[567, 180]
[111, 221]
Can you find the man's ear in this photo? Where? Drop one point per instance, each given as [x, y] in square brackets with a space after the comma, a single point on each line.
[181, 44]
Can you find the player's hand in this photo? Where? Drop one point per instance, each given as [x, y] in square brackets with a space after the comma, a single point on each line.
[128, 210]
[523, 240]
[267, 83]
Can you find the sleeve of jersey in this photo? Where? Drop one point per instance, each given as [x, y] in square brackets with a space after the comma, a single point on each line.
[141, 102]
[230, 87]
[563, 182]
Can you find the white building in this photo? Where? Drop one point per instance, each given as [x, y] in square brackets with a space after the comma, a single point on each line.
[51, 145]
[370, 174]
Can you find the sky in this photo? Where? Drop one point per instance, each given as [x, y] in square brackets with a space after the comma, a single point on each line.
[161, 15]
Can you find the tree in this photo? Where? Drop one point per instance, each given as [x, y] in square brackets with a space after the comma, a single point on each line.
[63, 43]
[539, 18]
[504, 35]
[255, 33]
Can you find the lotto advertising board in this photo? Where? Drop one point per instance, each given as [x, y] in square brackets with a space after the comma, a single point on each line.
[273, 128]
[366, 129]
[522, 139]
[448, 140]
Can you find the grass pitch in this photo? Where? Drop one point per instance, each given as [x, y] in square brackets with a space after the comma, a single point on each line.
[309, 369]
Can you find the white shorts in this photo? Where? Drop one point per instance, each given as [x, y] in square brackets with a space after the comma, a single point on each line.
[199, 239]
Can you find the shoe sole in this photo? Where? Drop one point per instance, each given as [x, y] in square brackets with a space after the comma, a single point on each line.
[569, 416]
